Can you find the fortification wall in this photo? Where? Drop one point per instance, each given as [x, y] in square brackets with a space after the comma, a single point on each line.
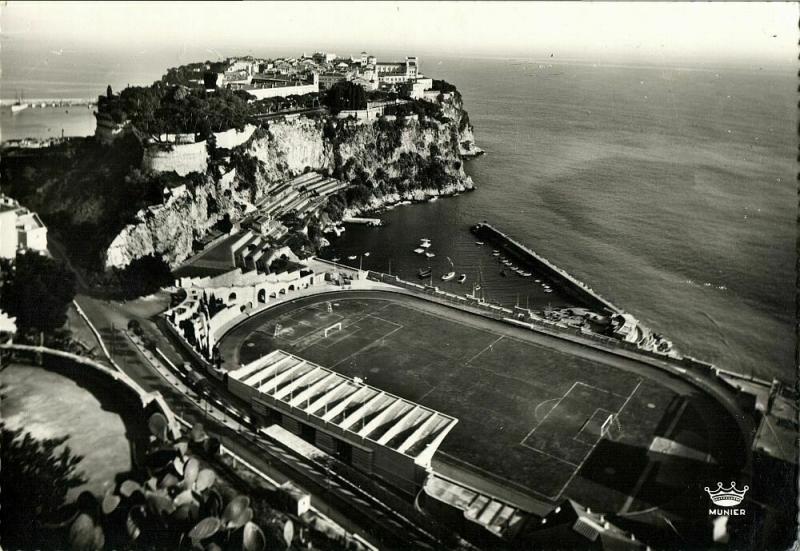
[283, 91]
[233, 138]
[181, 158]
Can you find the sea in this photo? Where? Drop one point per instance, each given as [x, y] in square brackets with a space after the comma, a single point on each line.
[668, 188]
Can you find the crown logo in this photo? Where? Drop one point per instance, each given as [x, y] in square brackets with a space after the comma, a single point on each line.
[727, 497]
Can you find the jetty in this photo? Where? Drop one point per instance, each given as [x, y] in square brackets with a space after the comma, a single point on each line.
[364, 221]
[525, 255]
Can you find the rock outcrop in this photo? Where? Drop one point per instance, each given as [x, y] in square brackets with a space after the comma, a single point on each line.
[122, 202]
[385, 161]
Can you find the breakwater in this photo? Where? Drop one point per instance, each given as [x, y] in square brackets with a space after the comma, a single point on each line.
[525, 256]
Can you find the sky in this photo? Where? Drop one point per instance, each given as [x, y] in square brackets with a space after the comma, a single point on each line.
[582, 30]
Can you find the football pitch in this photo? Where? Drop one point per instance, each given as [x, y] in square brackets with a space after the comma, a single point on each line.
[531, 417]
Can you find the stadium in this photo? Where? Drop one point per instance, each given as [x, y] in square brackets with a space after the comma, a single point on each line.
[523, 415]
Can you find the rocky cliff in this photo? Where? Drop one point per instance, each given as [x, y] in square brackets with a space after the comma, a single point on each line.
[383, 161]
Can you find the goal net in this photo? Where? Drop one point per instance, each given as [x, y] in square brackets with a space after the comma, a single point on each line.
[611, 428]
[335, 327]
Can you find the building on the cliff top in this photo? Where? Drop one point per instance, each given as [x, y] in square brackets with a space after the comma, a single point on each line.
[416, 88]
[20, 229]
[267, 86]
[328, 79]
[397, 72]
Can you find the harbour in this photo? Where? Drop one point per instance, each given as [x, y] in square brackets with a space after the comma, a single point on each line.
[542, 267]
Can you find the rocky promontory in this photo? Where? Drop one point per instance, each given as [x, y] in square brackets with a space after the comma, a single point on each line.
[125, 205]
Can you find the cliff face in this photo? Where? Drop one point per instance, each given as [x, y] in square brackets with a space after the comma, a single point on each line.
[384, 161]
[108, 205]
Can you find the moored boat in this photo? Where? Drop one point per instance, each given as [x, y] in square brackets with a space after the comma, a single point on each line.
[419, 250]
[495, 253]
[462, 278]
[479, 243]
[448, 276]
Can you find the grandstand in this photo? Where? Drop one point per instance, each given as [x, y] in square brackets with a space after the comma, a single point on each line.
[376, 431]
[300, 195]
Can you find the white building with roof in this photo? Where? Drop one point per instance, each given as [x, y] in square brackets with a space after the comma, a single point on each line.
[20, 229]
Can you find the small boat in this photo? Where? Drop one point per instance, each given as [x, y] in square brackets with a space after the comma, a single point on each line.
[335, 259]
[17, 107]
[425, 244]
[462, 278]
[424, 272]
[525, 274]
[352, 257]
[430, 255]
[507, 263]
[419, 250]
[537, 280]
[448, 276]
[479, 243]
[477, 287]
[366, 254]
[495, 253]
[548, 290]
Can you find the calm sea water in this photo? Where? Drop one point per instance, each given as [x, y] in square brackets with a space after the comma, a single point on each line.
[670, 190]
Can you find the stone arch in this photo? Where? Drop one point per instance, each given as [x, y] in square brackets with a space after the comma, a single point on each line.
[232, 296]
[273, 294]
[282, 291]
[291, 287]
[262, 296]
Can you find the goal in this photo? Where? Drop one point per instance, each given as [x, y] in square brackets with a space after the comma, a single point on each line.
[611, 428]
[335, 327]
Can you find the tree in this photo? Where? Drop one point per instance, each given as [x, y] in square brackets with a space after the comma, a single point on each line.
[346, 95]
[38, 291]
[444, 86]
[35, 478]
[143, 276]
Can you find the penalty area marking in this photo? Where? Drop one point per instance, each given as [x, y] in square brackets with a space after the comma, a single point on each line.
[536, 410]
[589, 454]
